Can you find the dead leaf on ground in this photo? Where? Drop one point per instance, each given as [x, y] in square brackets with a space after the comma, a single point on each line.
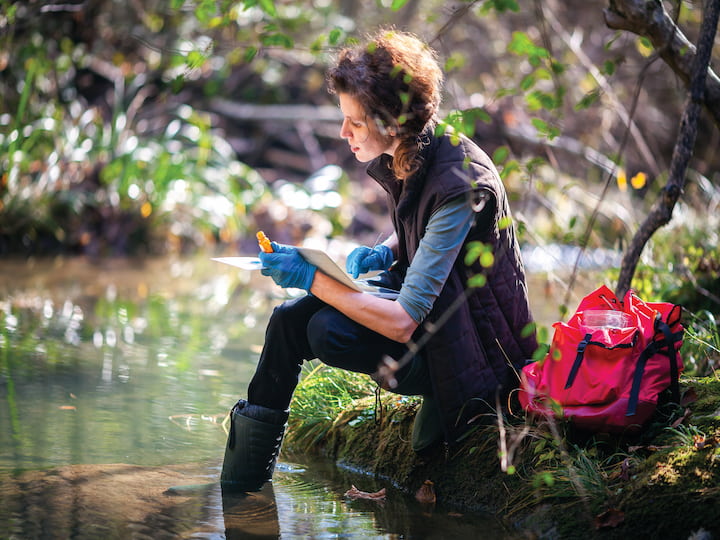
[688, 397]
[682, 419]
[355, 493]
[701, 442]
[626, 469]
[609, 519]
[426, 493]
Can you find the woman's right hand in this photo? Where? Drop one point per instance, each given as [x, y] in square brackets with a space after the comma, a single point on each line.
[364, 259]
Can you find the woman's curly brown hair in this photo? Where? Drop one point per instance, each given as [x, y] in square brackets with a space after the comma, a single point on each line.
[396, 78]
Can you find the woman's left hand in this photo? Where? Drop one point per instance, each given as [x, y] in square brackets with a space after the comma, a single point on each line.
[287, 267]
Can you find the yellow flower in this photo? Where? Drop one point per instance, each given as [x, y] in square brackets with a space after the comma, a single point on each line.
[638, 181]
[622, 180]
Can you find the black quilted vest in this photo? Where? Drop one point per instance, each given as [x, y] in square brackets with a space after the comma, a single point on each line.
[480, 335]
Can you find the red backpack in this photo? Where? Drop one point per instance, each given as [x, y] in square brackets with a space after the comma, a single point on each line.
[608, 364]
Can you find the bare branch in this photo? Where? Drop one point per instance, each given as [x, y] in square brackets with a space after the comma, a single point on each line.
[661, 212]
[648, 18]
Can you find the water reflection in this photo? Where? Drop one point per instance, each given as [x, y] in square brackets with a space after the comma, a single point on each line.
[115, 380]
[96, 359]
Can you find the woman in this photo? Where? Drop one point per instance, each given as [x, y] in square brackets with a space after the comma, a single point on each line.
[457, 346]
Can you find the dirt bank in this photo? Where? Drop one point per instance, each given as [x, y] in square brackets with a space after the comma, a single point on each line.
[664, 483]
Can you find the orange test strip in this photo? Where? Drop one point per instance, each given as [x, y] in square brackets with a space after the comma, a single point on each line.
[264, 242]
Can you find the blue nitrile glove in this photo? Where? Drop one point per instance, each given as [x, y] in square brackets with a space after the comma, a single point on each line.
[287, 267]
[364, 259]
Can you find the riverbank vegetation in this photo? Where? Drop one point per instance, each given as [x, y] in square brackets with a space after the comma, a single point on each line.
[175, 127]
[542, 477]
[182, 126]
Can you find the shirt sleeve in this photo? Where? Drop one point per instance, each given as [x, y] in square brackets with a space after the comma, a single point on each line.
[439, 248]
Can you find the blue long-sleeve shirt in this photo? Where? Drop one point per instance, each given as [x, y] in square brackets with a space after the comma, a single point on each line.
[439, 248]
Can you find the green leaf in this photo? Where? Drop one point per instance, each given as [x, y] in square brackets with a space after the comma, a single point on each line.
[487, 259]
[500, 154]
[195, 59]
[455, 60]
[528, 330]
[522, 45]
[205, 10]
[277, 40]
[609, 67]
[500, 6]
[398, 4]
[250, 54]
[588, 99]
[539, 100]
[527, 82]
[268, 6]
[505, 222]
[545, 129]
[335, 35]
[509, 167]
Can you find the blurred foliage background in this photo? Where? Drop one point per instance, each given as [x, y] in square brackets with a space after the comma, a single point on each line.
[133, 128]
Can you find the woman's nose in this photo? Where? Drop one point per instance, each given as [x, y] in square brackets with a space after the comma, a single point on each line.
[344, 130]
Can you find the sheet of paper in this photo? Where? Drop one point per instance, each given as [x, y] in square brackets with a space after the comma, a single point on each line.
[324, 263]
[246, 263]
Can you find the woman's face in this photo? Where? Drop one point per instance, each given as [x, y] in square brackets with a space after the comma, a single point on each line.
[362, 133]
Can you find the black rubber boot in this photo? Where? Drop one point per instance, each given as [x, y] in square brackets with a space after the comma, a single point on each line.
[414, 380]
[427, 427]
[253, 446]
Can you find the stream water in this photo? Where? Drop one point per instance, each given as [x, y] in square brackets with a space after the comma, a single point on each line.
[115, 379]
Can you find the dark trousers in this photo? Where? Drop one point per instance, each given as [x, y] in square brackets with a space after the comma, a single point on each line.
[307, 328]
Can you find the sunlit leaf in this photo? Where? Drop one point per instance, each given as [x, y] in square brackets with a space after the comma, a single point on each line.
[397, 4]
[609, 67]
[277, 40]
[527, 82]
[487, 259]
[195, 59]
[528, 330]
[268, 6]
[588, 99]
[249, 54]
[478, 280]
[500, 6]
[644, 46]
[205, 10]
[544, 129]
[500, 154]
[522, 45]
[335, 35]
[455, 61]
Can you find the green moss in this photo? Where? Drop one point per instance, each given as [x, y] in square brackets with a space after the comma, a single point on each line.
[657, 485]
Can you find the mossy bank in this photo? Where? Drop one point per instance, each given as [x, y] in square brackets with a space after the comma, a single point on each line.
[546, 481]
